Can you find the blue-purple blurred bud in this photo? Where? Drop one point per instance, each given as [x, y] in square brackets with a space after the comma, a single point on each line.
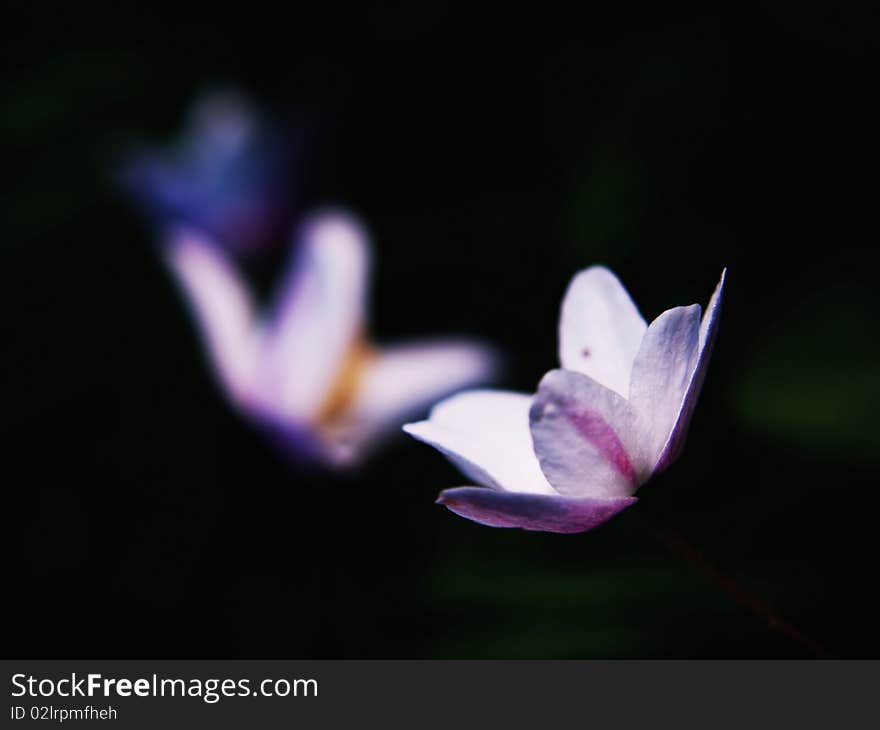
[230, 176]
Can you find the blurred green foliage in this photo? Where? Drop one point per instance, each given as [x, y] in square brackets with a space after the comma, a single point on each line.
[810, 377]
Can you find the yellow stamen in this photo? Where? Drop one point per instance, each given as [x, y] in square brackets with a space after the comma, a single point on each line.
[342, 392]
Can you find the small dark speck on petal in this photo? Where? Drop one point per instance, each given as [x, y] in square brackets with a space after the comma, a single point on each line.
[536, 412]
[585, 352]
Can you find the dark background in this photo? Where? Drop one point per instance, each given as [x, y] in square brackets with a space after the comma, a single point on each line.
[493, 153]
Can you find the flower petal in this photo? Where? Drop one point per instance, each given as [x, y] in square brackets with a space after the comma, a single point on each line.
[549, 513]
[486, 434]
[222, 307]
[585, 437]
[600, 329]
[320, 314]
[662, 373]
[400, 381]
[707, 334]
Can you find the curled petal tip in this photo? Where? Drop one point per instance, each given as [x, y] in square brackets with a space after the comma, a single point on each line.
[707, 332]
[536, 512]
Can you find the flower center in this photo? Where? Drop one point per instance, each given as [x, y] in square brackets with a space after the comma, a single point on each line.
[343, 390]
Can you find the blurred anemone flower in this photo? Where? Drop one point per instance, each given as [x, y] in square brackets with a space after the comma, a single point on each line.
[305, 371]
[573, 455]
[230, 176]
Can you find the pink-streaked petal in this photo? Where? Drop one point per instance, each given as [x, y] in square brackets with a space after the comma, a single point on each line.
[222, 307]
[585, 437]
[661, 374]
[320, 313]
[707, 334]
[548, 513]
[485, 433]
[600, 329]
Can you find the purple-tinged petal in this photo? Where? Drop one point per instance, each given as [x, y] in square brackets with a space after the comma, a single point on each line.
[585, 437]
[548, 513]
[707, 334]
[661, 374]
[298, 442]
[485, 433]
[222, 308]
[600, 329]
[305, 444]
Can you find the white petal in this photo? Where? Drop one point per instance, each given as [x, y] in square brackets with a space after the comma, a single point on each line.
[405, 379]
[320, 313]
[400, 382]
[600, 329]
[586, 437]
[662, 373]
[222, 307]
[486, 434]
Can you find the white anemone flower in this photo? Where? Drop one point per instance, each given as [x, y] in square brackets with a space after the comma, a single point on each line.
[305, 371]
[574, 454]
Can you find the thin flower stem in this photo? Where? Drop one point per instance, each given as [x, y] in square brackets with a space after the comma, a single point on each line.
[681, 547]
